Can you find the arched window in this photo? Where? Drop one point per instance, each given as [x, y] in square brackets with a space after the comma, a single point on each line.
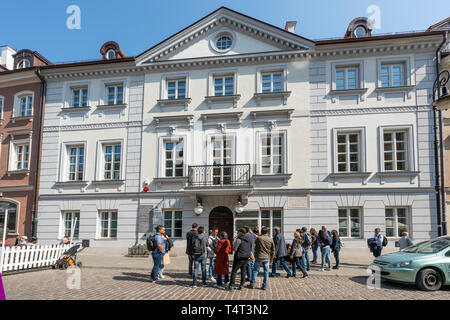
[111, 54]
[23, 64]
[23, 104]
[10, 209]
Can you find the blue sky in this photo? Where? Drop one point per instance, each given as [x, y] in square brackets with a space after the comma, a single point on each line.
[139, 24]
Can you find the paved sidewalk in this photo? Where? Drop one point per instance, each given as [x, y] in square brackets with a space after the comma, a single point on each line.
[108, 284]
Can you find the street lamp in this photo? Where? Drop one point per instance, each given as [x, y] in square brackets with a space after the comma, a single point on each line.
[441, 98]
[199, 208]
[239, 207]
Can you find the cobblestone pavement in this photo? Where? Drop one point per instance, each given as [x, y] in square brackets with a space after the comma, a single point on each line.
[119, 284]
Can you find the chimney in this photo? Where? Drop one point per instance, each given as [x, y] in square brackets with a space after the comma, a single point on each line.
[6, 57]
[290, 26]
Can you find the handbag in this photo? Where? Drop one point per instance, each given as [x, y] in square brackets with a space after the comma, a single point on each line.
[252, 257]
[166, 259]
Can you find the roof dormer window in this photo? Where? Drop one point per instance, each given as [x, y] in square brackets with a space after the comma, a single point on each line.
[111, 54]
[360, 32]
[25, 63]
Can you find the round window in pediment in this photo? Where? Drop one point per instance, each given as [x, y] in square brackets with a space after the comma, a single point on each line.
[224, 42]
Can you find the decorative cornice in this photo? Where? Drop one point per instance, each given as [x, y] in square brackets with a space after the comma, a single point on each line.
[93, 126]
[368, 110]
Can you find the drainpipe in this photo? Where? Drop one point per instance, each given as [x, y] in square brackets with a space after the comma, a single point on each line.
[38, 162]
[439, 156]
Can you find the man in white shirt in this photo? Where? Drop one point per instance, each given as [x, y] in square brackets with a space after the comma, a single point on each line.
[378, 241]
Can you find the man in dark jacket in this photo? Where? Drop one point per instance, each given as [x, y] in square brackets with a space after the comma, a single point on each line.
[242, 247]
[199, 252]
[189, 237]
[280, 253]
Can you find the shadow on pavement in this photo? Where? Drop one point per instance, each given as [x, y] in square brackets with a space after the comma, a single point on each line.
[393, 285]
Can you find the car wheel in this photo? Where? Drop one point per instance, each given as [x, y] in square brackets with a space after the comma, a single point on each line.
[429, 280]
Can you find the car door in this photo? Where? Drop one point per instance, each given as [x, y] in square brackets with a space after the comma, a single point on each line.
[447, 264]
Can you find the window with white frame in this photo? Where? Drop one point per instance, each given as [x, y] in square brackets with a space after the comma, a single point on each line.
[222, 158]
[395, 150]
[347, 78]
[176, 89]
[272, 153]
[25, 106]
[107, 225]
[174, 158]
[348, 151]
[267, 217]
[71, 224]
[112, 154]
[173, 223]
[75, 162]
[25, 63]
[22, 156]
[392, 74]
[114, 94]
[79, 97]
[350, 222]
[396, 221]
[223, 85]
[271, 82]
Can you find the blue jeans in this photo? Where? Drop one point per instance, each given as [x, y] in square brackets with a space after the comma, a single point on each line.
[212, 261]
[197, 260]
[326, 256]
[297, 262]
[250, 266]
[256, 268]
[305, 258]
[157, 260]
[283, 264]
[315, 253]
[336, 256]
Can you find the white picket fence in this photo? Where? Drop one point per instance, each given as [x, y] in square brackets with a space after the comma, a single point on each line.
[31, 256]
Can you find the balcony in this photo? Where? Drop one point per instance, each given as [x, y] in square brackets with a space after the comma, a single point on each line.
[221, 176]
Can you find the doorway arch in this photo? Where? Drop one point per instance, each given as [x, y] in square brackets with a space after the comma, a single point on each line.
[222, 218]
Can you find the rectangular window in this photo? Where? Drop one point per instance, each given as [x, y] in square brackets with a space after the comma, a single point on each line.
[395, 150]
[392, 75]
[22, 156]
[272, 153]
[347, 78]
[396, 221]
[76, 163]
[115, 94]
[350, 222]
[348, 152]
[112, 156]
[25, 106]
[79, 97]
[108, 224]
[10, 209]
[223, 86]
[222, 156]
[1, 108]
[272, 82]
[173, 223]
[71, 220]
[174, 162]
[176, 89]
[269, 218]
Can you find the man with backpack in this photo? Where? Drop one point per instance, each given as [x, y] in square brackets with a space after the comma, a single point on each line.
[199, 251]
[378, 242]
[306, 246]
[242, 247]
[189, 236]
[158, 246]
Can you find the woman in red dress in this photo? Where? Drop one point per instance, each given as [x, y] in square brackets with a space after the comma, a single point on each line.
[222, 264]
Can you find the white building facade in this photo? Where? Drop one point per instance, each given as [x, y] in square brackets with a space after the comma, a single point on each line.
[232, 112]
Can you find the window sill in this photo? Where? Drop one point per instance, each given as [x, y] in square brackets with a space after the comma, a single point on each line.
[71, 183]
[272, 95]
[348, 92]
[162, 180]
[395, 174]
[407, 89]
[110, 182]
[174, 102]
[111, 106]
[14, 119]
[349, 175]
[106, 239]
[226, 98]
[76, 109]
[16, 172]
[271, 177]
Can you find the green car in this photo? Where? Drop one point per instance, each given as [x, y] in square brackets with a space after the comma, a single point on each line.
[427, 264]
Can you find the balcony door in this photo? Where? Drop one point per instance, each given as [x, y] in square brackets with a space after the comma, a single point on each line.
[222, 160]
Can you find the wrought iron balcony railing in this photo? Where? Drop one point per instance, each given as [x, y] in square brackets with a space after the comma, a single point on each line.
[219, 175]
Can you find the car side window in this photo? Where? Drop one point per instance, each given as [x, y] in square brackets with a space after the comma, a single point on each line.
[448, 253]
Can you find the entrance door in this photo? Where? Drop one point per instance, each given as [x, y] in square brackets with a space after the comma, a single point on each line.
[222, 218]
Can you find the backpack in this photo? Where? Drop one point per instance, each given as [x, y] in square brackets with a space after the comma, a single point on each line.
[306, 240]
[197, 246]
[385, 241]
[214, 244]
[169, 244]
[151, 243]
